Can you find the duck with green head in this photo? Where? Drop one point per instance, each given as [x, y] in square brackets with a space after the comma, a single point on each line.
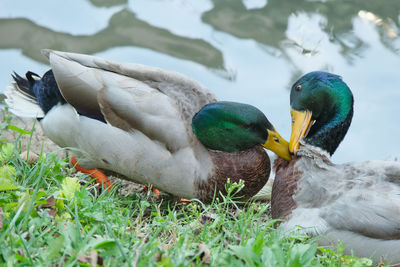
[356, 203]
[150, 125]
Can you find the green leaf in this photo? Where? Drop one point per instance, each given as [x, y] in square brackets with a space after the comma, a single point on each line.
[7, 173]
[54, 247]
[269, 258]
[6, 184]
[106, 244]
[19, 130]
[6, 152]
[365, 262]
[65, 216]
[24, 199]
[107, 248]
[60, 204]
[245, 253]
[21, 259]
[69, 187]
[302, 255]
[258, 244]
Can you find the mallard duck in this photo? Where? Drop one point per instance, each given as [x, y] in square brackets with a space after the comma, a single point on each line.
[356, 203]
[150, 125]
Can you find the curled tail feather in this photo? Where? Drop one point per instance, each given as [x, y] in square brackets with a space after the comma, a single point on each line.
[20, 99]
[24, 85]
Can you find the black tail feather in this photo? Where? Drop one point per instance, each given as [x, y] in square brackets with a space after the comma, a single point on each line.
[31, 80]
[44, 91]
[24, 86]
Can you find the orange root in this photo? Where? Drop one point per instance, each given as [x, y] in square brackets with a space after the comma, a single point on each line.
[100, 177]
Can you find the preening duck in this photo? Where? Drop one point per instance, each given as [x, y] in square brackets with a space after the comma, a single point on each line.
[149, 125]
[356, 203]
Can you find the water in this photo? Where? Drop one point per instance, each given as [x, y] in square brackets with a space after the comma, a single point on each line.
[244, 50]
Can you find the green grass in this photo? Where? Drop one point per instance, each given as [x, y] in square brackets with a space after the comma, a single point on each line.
[48, 218]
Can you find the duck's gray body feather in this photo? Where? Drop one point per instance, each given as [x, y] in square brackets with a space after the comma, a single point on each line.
[148, 137]
[357, 203]
[136, 120]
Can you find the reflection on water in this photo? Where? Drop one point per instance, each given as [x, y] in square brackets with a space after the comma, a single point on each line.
[123, 29]
[267, 25]
[108, 3]
[244, 50]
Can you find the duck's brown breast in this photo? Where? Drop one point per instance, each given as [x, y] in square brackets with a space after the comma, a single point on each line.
[284, 187]
[252, 166]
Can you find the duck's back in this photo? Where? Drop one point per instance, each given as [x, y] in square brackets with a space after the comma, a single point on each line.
[157, 102]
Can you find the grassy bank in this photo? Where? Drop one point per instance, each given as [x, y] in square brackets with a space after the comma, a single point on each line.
[51, 215]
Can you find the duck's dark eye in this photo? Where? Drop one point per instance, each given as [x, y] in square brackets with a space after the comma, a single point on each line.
[298, 87]
[276, 139]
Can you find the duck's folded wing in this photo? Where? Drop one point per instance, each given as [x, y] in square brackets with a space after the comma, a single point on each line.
[130, 96]
[369, 203]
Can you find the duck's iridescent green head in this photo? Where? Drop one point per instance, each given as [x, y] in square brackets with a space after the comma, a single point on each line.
[233, 127]
[322, 109]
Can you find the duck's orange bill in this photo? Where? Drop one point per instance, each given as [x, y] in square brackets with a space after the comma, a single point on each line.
[100, 177]
[301, 124]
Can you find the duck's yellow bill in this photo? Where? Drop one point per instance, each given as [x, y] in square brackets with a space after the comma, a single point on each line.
[301, 124]
[277, 144]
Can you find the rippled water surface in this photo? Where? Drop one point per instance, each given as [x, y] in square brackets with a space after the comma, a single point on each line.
[244, 50]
